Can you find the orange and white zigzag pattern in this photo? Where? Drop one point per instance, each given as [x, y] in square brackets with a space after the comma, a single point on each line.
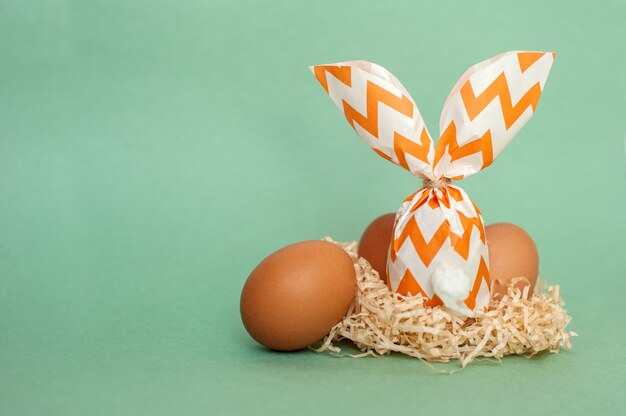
[489, 104]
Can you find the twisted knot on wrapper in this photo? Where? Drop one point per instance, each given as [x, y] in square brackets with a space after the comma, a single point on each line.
[436, 183]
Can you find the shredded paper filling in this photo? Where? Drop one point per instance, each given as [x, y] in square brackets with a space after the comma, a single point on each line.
[380, 322]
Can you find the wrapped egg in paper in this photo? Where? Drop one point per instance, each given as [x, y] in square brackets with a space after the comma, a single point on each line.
[438, 247]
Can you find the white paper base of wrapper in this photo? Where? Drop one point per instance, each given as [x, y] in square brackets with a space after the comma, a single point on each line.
[380, 322]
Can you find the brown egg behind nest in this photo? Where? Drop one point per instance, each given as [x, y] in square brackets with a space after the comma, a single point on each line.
[512, 253]
[375, 242]
[297, 294]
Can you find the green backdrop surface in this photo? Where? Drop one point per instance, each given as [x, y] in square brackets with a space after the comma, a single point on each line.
[153, 152]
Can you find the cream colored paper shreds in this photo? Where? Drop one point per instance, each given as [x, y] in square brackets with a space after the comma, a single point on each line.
[380, 322]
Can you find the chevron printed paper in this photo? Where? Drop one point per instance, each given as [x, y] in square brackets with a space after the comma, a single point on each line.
[438, 249]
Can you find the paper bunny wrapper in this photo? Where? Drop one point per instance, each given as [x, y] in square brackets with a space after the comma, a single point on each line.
[438, 249]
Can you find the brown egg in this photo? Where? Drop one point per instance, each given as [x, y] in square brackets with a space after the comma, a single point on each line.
[296, 295]
[512, 253]
[375, 241]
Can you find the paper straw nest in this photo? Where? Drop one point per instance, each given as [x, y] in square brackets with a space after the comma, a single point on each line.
[380, 322]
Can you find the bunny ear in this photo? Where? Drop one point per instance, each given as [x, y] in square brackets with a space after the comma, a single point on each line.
[486, 108]
[381, 112]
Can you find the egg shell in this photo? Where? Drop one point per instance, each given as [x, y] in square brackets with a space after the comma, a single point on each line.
[512, 253]
[297, 294]
[375, 242]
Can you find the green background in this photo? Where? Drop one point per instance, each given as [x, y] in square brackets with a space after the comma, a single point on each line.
[153, 152]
